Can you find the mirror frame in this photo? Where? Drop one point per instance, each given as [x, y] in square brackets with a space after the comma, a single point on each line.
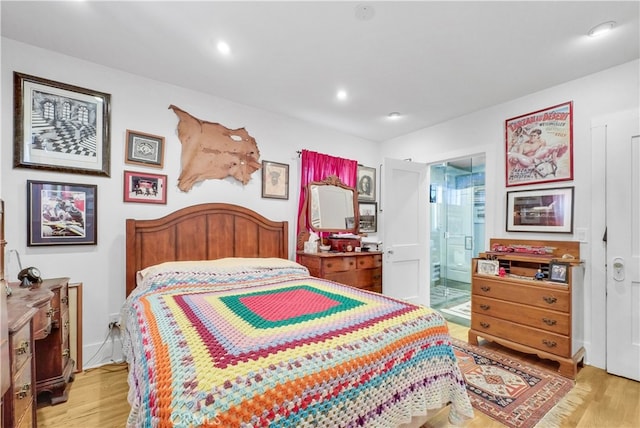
[331, 180]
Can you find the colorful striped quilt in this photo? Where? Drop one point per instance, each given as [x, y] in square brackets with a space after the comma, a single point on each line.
[253, 344]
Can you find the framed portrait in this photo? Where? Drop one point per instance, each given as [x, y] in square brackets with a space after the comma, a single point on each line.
[145, 188]
[61, 213]
[545, 210]
[60, 127]
[539, 146]
[144, 149]
[559, 272]
[488, 267]
[366, 183]
[368, 217]
[275, 180]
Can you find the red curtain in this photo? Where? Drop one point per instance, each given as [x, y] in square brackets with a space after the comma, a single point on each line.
[317, 167]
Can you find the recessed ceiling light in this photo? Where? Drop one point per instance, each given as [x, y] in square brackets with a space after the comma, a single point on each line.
[394, 115]
[601, 29]
[223, 47]
[341, 94]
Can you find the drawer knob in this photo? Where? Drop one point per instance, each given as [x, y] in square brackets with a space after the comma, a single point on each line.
[64, 300]
[66, 352]
[484, 324]
[485, 288]
[22, 348]
[329, 265]
[549, 343]
[485, 307]
[550, 299]
[23, 391]
[549, 321]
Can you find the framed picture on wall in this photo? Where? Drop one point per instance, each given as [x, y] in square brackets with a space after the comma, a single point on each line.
[145, 188]
[60, 127]
[368, 217]
[61, 213]
[144, 149]
[366, 183]
[275, 180]
[539, 146]
[544, 210]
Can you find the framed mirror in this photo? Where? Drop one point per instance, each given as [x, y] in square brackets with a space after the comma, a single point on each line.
[332, 206]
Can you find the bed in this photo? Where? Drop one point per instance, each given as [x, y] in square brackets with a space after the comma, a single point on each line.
[222, 330]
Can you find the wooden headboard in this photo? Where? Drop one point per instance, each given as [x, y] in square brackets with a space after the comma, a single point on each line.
[202, 232]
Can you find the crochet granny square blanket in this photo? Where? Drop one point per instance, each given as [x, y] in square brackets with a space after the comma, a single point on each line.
[253, 345]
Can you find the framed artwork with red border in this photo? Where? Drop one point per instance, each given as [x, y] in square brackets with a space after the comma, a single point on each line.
[539, 146]
[144, 187]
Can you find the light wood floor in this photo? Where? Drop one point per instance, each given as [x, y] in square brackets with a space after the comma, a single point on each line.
[98, 399]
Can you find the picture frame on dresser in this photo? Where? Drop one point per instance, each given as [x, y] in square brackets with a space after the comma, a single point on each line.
[60, 127]
[558, 272]
[61, 213]
[488, 267]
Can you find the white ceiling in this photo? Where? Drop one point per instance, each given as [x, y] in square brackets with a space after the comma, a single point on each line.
[431, 61]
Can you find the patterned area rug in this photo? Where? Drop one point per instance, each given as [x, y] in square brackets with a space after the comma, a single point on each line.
[463, 310]
[509, 391]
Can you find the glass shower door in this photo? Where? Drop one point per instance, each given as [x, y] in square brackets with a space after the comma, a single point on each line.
[457, 224]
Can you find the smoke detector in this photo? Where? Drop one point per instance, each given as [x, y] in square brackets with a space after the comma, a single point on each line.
[365, 12]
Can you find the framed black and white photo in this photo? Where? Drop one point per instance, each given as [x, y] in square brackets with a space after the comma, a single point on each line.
[60, 127]
[144, 149]
[275, 180]
[559, 272]
[541, 210]
[366, 183]
[368, 217]
[61, 213]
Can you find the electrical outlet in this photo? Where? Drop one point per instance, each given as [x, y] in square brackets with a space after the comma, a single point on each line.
[114, 321]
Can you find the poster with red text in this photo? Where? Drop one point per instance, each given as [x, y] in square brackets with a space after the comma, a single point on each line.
[539, 146]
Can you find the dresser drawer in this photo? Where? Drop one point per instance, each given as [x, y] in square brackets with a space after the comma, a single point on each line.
[22, 391]
[557, 322]
[367, 262]
[529, 336]
[539, 296]
[42, 321]
[21, 343]
[339, 264]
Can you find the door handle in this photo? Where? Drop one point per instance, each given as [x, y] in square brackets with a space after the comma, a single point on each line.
[618, 269]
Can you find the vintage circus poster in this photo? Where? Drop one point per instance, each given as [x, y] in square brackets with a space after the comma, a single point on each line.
[539, 146]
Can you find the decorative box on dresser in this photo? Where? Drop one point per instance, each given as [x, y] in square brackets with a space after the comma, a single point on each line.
[54, 365]
[357, 269]
[541, 317]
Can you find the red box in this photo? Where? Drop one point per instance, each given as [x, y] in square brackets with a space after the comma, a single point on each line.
[344, 245]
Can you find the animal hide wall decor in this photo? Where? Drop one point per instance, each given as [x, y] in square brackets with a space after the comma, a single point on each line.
[211, 150]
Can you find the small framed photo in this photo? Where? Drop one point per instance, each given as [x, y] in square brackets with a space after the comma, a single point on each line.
[60, 127]
[61, 213]
[144, 149]
[543, 210]
[366, 183]
[368, 216]
[145, 188]
[488, 267]
[275, 180]
[558, 272]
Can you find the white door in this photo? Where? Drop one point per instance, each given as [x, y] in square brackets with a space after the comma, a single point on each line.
[404, 213]
[623, 245]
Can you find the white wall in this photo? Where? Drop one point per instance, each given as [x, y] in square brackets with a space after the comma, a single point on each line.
[612, 90]
[141, 104]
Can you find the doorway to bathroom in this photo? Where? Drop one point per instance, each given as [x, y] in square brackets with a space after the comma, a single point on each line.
[457, 229]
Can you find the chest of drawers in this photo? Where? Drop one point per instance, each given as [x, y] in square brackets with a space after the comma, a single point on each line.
[360, 270]
[528, 315]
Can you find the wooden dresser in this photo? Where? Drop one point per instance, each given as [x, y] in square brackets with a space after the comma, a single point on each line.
[361, 270]
[5, 368]
[523, 313]
[54, 365]
[29, 318]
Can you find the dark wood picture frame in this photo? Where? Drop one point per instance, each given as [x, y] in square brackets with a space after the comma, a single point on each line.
[61, 213]
[540, 210]
[60, 127]
[366, 184]
[275, 180]
[144, 187]
[368, 217]
[144, 149]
